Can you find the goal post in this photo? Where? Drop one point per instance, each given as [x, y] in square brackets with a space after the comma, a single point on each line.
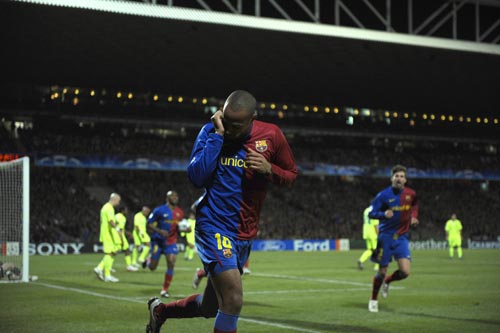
[15, 219]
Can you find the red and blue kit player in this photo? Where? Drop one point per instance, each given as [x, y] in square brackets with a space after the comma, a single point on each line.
[234, 158]
[163, 227]
[397, 209]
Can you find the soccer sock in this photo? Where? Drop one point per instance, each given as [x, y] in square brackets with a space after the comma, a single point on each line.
[225, 323]
[144, 253]
[101, 264]
[459, 251]
[367, 254]
[188, 307]
[108, 263]
[169, 275]
[135, 254]
[377, 282]
[128, 260]
[189, 253]
[396, 276]
[451, 251]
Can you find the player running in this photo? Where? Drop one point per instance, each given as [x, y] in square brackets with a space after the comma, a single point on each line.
[396, 208]
[370, 234]
[234, 158]
[142, 241]
[162, 224]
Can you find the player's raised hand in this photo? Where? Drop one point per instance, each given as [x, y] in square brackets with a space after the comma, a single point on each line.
[217, 121]
[257, 162]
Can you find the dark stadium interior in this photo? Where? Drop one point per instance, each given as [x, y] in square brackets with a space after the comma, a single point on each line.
[79, 82]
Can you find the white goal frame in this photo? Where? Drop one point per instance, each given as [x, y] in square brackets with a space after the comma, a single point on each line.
[25, 218]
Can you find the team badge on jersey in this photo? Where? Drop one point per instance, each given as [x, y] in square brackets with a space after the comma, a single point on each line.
[408, 197]
[227, 253]
[261, 146]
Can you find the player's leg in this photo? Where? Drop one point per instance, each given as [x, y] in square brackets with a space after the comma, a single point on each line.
[246, 269]
[450, 247]
[459, 247]
[170, 256]
[383, 258]
[198, 276]
[135, 247]
[229, 290]
[146, 247]
[402, 254]
[152, 261]
[189, 254]
[366, 254]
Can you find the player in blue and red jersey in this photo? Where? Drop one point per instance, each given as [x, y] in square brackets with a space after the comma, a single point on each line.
[234, 158]
[162, 225]
[397, 209]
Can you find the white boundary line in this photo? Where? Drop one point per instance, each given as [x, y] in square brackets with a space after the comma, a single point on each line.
[133, 300]
[245, 21]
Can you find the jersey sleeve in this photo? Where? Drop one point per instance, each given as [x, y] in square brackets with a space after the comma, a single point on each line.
[153, 216]
[204, 156]
[376, 212]
[283, 168]
[110, 214]
[414, 207]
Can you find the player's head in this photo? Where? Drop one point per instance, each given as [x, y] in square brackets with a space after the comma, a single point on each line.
[114, 199]
[453, 216]
[398, 178]
[172, 198]
[121, 209]
[239, 111]
[145, 210]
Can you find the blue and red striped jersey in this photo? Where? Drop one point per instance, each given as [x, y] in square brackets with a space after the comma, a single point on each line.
[164, 218]
[234, 194]
[403, 203]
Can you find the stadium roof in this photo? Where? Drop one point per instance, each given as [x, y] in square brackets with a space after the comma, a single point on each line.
[69, 46]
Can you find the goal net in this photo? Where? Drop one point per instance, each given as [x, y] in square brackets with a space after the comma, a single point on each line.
[14, 220]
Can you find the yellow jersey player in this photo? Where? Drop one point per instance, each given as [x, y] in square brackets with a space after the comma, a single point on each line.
[370, 234]
[142, 241]
[190, 245]
[122, 240]
[453, 230]
[108, 223]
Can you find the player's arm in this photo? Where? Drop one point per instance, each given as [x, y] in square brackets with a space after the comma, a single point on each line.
[281, 170]
[151, 228]
[204, 156]
[377, 204]
[112, 221]
[414, 211]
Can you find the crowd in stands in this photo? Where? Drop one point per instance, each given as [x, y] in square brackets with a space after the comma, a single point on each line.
[64, 209]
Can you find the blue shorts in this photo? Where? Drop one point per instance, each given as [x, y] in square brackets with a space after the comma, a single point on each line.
[158, 247]
[219, 252]
[389, 246]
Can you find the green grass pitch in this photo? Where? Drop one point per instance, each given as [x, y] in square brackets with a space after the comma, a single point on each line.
[286, 292]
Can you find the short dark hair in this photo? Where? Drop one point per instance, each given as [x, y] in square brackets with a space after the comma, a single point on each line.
[398, 168]
[241, 100]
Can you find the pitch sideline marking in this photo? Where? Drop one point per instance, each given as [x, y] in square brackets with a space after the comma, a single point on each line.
[299, 278]
[95, 294]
